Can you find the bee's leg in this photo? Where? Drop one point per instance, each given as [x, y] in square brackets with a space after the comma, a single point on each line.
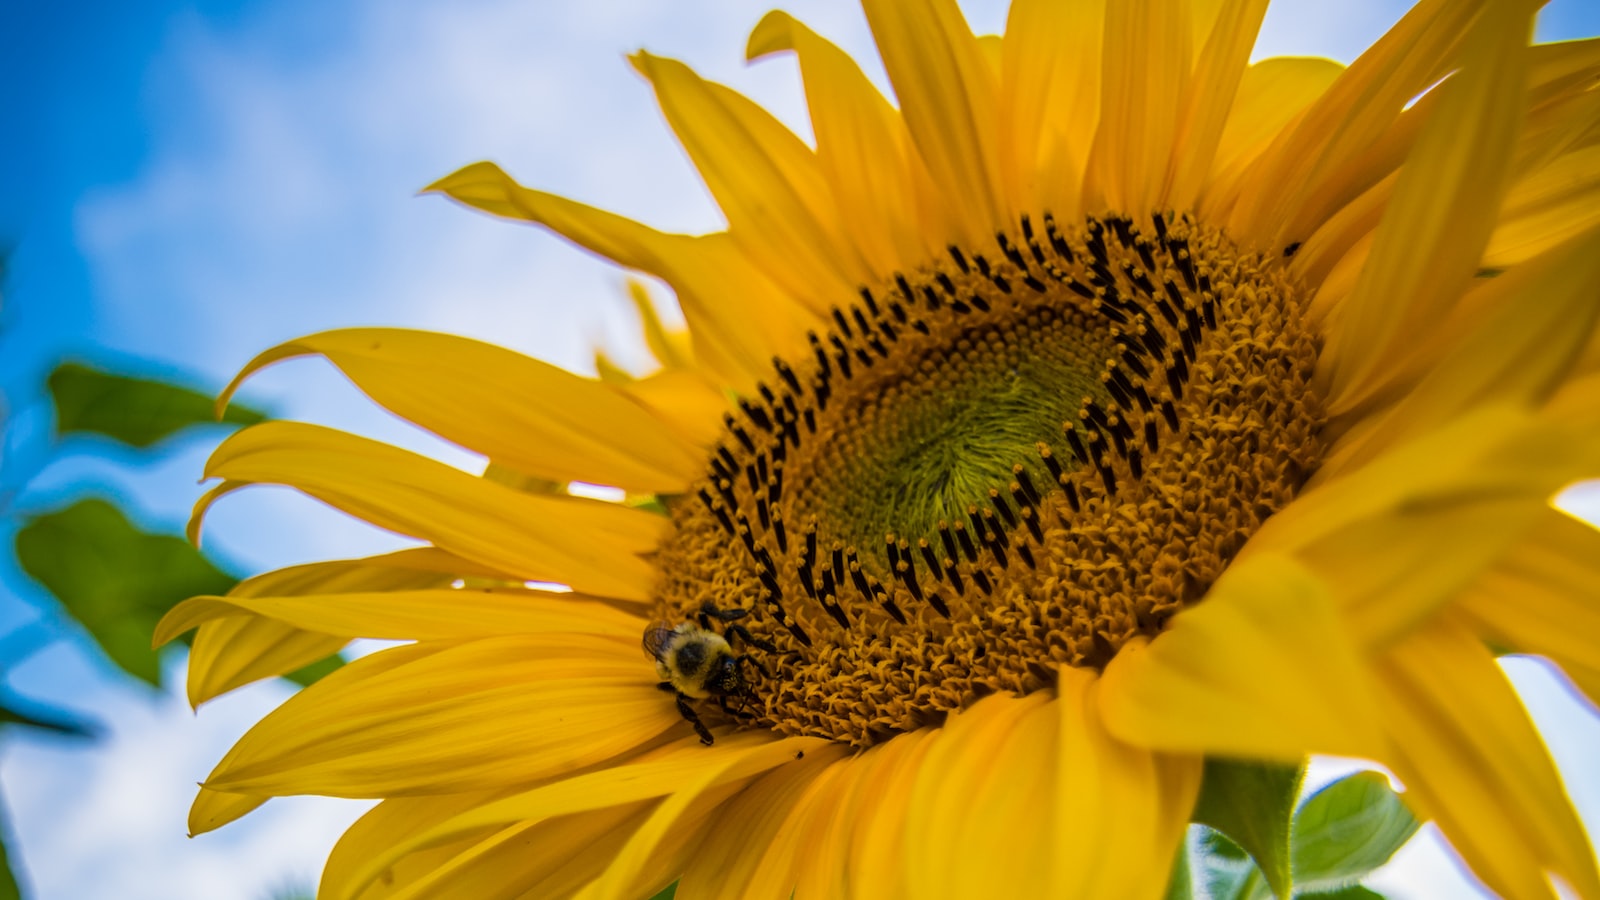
[690, 716]
[710, 610]
[754, 662]
[666, 686]
[743, 634]
[740, 713]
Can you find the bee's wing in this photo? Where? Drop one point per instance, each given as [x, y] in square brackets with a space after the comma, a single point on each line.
[656, 639]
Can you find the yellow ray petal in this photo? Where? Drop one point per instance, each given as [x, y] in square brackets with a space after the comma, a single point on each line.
[1471, 759]
[1549, 207]
[1272, 94]
[1491, 454]
[876, 850]
[1146, 63]
[467, 717]
[738, 316]
[863, 149]
[992, 763]
[1540, 598]
[587, 544]
[686, 401]
[444, 614]
[377, 829]
[230, 654]
[489, 400]
[1049, 102]
[1120, 810]
[669, 347]
[1434, 231]
[213, 809]
[1519, 353]
[1263, 668]
[1357, 110]
[947, 96]
[748, 850]
[765, 179]
[1209, 98]
[813, 843]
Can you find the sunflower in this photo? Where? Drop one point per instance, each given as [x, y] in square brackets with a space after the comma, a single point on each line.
[1108, 404]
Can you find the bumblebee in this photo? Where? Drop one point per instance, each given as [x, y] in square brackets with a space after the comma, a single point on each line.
[696, 663]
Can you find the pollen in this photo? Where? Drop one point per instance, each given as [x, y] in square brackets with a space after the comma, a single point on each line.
[1016, 457]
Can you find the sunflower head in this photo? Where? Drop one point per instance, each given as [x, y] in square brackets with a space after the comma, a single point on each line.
[1105, 405]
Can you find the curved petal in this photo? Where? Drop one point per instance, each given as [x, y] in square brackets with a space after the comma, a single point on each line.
[1121, 810]
[1470, 758]
[862, 148]
[947, 96]
[230, 653]
[767, 182]
[1540, 597]
[1209, 98]
[1272, 94]
[445, 614]
[471, 716]
[1553, 205]
[1262, 669]
[490, 400]
[1446, 199]
[738, 317]
[590, 545]
[1146, 62]
[1049, 102]
[990, 763]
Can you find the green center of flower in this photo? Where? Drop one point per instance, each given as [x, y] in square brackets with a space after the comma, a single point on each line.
[994, 466]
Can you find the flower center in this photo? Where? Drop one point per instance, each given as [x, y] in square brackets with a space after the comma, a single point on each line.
[997, 465]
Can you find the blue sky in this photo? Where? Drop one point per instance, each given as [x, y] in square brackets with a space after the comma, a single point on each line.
[186, 183]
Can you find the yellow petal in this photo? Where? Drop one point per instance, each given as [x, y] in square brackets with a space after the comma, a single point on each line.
[669, 347]
[490, 400]
[992, 763]
[472, 716]
[1471, 759]
[1434, 231]
[378, 829]
[877, 854]
[1549, 207]
[685, 401]
[1209, 98]
[1146, 67]
[1540, 597]
[1356, 111]
[1049, 102]
[444, 614]
[590, 545]
[1272, 94]
[231, 653]
[1121, 811]
[1519, 353]
[213, 809]
[947, 96]
[1262, 669]
[748, 850]
[765, 179]
[737, 315]
[862, 147]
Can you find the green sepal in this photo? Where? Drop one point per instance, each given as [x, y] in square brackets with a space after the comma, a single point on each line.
[1253, 804]
[139, 412]
[116, 579]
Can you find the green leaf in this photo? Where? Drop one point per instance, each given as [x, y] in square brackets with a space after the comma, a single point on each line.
[306, 675]
[114, 578]
[1346, 830]
[1180, 884]
[136, 411]
[45, 720]
[1227, 872]
[1253, 804]
[1353, 892]
[667, 893]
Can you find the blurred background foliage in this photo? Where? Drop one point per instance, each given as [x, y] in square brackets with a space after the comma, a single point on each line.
[112, 580]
